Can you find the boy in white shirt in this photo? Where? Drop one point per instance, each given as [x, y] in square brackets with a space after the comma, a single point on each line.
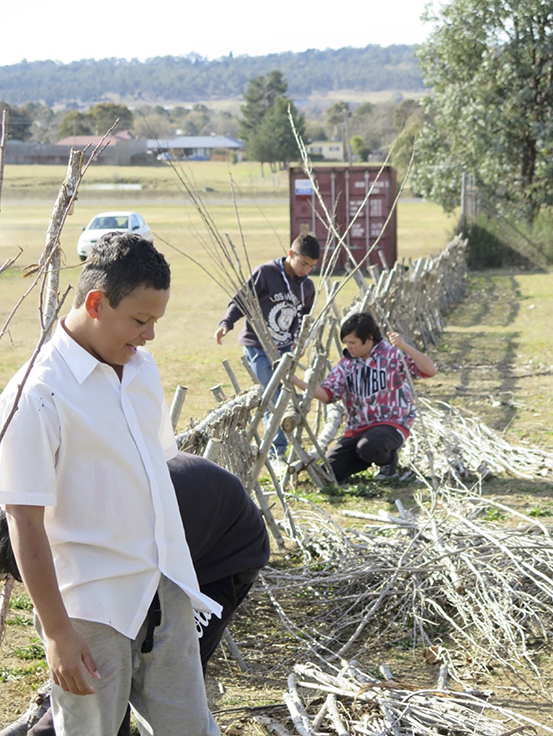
[93, 518]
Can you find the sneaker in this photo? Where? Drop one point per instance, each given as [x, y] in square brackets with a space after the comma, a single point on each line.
[388, 471]
[278, 463]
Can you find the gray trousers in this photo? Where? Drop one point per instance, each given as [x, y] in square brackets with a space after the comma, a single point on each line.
[165, 686]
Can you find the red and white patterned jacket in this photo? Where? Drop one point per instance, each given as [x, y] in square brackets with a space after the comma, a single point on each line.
[375, 390]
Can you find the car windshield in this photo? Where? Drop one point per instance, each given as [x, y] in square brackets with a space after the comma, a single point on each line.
[110, 222]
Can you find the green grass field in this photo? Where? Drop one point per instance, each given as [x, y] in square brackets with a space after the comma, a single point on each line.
[184, 347]
[160, 180]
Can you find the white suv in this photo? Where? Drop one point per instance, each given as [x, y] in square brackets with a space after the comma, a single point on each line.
[107, 222]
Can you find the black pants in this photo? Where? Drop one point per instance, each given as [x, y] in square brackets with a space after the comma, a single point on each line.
[229, 592]
[352, 454]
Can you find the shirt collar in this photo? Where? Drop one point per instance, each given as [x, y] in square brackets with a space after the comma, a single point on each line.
[376, 349]
[80, 361]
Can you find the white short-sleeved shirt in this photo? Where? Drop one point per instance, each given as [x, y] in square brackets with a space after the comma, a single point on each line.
[92, 450]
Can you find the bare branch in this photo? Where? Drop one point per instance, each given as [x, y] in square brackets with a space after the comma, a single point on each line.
[3, 143]
[43, 338]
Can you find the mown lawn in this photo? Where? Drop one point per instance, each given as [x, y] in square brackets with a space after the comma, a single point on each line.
[184, 347]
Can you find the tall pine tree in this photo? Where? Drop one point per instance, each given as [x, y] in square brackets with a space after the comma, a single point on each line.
[265, 123]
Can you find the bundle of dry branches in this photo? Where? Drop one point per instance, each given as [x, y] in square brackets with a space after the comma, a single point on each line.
[440, 574]
[462, 445]
[227, 422]
[348, 701]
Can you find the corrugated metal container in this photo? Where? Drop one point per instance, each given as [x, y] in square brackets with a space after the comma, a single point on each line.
[344, 189]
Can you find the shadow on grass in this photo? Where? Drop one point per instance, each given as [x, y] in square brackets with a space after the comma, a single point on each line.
[482, 361]
[354, 488]
[532, 498]
[492, 299]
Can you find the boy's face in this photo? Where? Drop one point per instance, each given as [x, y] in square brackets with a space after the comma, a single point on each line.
[117, 332]
[300, 265]
[356, 347]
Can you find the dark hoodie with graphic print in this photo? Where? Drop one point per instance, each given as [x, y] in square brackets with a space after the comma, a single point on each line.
[284, 301]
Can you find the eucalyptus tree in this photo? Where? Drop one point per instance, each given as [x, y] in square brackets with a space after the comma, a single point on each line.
[490, 66]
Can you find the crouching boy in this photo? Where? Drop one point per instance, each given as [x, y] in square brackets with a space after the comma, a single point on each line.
[380, 410]
[93, 517]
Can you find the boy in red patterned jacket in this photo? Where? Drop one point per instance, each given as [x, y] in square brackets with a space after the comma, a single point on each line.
[372, 380]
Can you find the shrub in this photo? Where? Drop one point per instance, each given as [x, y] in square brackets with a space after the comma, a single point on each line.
[503, 243]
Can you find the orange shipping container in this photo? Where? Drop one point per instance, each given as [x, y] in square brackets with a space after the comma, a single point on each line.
[343, 190]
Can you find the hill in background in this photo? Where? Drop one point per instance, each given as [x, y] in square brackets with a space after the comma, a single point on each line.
[193, 78]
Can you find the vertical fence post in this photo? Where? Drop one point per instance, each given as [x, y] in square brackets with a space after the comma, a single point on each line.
[463, 203]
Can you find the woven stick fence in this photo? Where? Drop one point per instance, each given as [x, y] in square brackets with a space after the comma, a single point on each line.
[414, 299]
[433, 284]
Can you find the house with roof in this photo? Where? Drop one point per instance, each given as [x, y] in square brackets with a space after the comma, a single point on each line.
[326, 150]
[120, 149]
[196, 148]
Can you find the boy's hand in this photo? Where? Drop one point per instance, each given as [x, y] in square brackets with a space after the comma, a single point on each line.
[69, 659]
[396, 340]
[220, 333]
[422, 361]
[298, 383]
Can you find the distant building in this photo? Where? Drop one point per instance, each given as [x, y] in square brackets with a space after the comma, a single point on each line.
[327, 150]
[196, 148]
[120, 150]
[18, 152]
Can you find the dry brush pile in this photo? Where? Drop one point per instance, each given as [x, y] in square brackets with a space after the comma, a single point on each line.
[345, 700]
[434, 574]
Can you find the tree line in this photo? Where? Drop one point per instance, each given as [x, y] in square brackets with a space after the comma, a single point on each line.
[194, 78]
[489, 65]
[262, 122]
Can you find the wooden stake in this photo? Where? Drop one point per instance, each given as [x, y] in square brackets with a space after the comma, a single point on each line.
[176, 405]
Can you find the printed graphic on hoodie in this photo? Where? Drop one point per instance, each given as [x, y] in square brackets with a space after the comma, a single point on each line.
[375, 390]
[281, 316]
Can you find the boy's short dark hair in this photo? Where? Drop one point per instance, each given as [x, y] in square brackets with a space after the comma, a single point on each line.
[363, 326]
[118, 264]
[306, 244]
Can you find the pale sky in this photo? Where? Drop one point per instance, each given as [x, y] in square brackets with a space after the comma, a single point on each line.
[66, 31]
